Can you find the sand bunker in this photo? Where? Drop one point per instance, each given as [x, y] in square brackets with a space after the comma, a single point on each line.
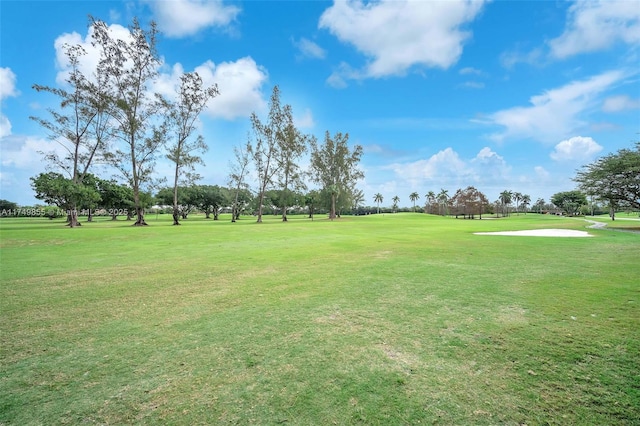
[540, 233]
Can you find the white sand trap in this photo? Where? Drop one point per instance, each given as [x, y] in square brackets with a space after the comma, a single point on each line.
[540, 233]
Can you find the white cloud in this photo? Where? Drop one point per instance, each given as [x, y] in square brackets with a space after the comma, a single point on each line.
[180, 18]
[445, 163]
[442, 166]
[114, 15]
[556, 113]
[541, 173]
[310, 49]
[336, 81]
[7, 90]
[577, 148]
[620, 103]
[25, 152]
[167, 83]
[472, 85]
[448, 169]
[88, 62]
[239, 82]
[597, 25]
[510, 58]
[338, 78]
[489, 167]
[305, 121]
[7, 179]
[373, 149]
[5, 126]
[470, 71]
[7, 84]
[396, 35]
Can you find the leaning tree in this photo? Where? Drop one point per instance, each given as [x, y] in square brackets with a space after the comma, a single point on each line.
[79, 125]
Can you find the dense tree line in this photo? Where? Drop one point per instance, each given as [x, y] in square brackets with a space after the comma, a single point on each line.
[112, 117]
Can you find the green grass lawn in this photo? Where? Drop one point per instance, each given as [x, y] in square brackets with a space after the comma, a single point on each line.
[623, 221]
[381, 319]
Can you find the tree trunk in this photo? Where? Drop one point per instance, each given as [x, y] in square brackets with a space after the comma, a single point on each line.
[332, 215]
[90, 216]
[260, 200]
[140, 217]
[176, 216]
[72, 218]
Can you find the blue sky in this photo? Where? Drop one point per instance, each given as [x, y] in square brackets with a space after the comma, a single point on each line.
[441, 94]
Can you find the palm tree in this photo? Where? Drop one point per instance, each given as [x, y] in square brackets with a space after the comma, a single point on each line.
[443, 199]
[378, 199]
[505, 199]
[539, 204]
[526, 200]
[413, 197]
[430, 200]
[396, 200]
[517, 196]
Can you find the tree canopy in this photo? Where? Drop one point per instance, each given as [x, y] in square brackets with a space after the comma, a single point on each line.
[614, 178]
[569, 201]
[335, 166]
[469, 202]
[79, 126]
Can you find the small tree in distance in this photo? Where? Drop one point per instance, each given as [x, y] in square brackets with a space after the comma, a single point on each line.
[443, 201]
[181, 118]
[414, 197]
[335, 166]
[292, 145]
[237, 178]
[505, 200]
[570, 201]
[378, 199]
[265, 152]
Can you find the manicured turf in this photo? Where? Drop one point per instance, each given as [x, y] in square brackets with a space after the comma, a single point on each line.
[381, 319]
